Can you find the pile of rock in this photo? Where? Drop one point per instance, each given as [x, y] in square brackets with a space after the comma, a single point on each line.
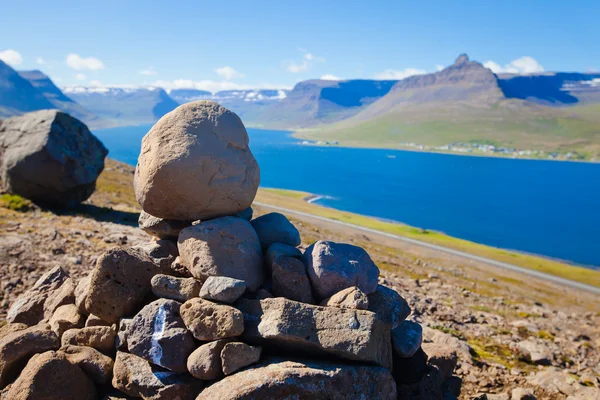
[220, 305]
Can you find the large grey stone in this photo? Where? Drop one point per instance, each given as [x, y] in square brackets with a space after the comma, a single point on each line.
[336, 266]
[304, 380]
[407, 338]
[49, 157]
[351, 334]
[29, 308]
[279, 249]
[119, 283]
[210, 321]
[161, 228]
[50, 376]
[290, 280]
[138, 378]
[389, 306]
[275, 228]
[222, 289]
[195, 164]
[18, 343]
[225, 246]
[442, 356]
[158, 334]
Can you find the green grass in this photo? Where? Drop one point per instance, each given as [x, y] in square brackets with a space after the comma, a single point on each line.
[293, 200]
[508, 123]
[15, 202]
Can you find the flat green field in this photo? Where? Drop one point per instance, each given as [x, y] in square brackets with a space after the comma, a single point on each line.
[294, 200]
[508, 123]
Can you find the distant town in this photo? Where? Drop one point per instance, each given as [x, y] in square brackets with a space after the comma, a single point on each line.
[478, 148]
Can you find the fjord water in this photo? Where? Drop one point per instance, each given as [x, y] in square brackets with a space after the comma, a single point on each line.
[542, 207]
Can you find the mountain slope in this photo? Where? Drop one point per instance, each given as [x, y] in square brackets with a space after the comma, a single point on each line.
[18, 95]
[57, 98]
[316, 102]
[124, 106]
[463, 103]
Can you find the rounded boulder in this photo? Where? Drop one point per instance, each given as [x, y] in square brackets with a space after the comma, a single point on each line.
[195, 164]
[49, 157]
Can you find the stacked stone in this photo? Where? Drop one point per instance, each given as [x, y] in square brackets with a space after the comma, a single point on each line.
[219, 305]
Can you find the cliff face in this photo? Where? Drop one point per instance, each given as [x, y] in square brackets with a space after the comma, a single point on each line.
[18, 95]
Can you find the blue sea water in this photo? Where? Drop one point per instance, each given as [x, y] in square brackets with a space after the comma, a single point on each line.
[542, 207]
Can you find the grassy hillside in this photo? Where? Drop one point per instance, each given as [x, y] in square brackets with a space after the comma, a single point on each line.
[509, 123]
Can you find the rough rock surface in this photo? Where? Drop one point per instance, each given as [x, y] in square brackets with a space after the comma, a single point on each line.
[18, 342]
[443, 357]
[210, 321]
[49, 157]
[290, 280]
[275, 228]
[336, 266]
[171, 287]
[101, 338]
[122, 333]
[66, 317]
[389, 306]
[158, 335]
[29, 308]
[161, 228]
[119, 283]
[407, 338]
[49, 376]
[205, 362]
[136, 377]
[95, 364]
[279, 249]
[535, 352]
[351, 297]
[304, 380]
[237, 355]
[195, 164]
[225, 246]
[350, 334]
[222, 289]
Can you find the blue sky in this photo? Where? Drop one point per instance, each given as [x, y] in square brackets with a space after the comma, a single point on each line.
[237, 44]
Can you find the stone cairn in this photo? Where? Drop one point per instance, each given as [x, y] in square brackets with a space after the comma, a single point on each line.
[219, 305]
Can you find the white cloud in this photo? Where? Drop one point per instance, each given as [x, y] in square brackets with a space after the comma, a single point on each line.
[308, 59]
[399, 74]
[439, 67]
[148, 71]
[75, 61]
[41, 61]
[80, 77]
[329, 77]
[11, 57]
[522, 65]
[228, 73]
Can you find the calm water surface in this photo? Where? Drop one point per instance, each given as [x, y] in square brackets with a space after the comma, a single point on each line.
[542, 207]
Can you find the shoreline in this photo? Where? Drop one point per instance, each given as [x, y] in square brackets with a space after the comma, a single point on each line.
[297, 135]
[297, 201]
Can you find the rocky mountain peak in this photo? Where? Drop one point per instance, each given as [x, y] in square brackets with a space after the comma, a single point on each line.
[461, 59]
